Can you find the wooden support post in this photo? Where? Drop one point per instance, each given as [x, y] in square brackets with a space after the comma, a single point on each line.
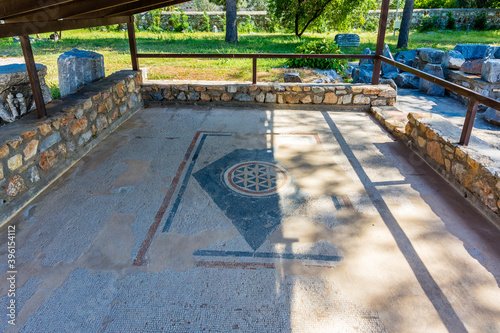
[469, 122]
[133, 44]
[254, 70]
[33, 76]
[382, 26]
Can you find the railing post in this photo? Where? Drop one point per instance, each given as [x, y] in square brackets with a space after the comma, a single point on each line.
[254, 70]
[382, 26]
[33, 76]
[133, 44]
[469, 122]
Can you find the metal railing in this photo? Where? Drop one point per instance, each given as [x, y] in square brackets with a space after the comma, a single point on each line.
[474, 97]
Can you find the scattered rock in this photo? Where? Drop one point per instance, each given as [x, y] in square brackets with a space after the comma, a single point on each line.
[430, 88]
[430, 55]
[472, 66]
[362, 75]
[407, 80]
[366, 61]
[292, 77]
[406, 57]
[491, 71]
[386, 68]
[390, 75]
[453, 60]
[492, 115]
[473, 51]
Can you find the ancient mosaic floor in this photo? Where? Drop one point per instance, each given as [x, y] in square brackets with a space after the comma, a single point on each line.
[190, 219]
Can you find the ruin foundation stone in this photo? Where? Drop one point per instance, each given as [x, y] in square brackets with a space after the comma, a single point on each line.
[78, 68]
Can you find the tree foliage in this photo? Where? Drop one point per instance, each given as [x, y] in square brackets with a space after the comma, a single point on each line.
[457, 3]
[300, 15]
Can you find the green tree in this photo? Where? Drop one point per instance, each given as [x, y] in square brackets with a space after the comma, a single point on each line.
[230, 6]
[301, 14]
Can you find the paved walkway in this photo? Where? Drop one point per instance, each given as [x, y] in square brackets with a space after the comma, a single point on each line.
[253, 220]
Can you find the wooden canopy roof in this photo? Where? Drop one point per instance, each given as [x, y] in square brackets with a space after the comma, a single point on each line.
[25, 17]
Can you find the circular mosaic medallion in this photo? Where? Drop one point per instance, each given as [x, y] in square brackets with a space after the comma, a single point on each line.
[256, 178]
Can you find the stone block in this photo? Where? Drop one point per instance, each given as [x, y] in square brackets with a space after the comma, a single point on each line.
[472, 66]
[270, 98]
[15, 162]
[361, 75]
[30, 149]
[15, 186]
[473, 51]
[452, 60]
[406, 57]
[16, 96]
[330, 98]
[491, 71]
[492, 115]
[292, 77]
[430, 88]
[366, 61]
[347, 39]
[430, 55]
[4, 151]
[361, 99]
[407, 80]
[386, 68]
[243, 98]
[78, 68]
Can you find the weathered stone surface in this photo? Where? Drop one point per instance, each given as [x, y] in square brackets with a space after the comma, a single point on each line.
[193, 96]
[4, 151]
[157, 96]
[225, 97]
[15, 162]
[317, 99]
[434, 151]
[243, 98]
[361, 99]
[490, 71]
[270, 98]
[261, 97]
[30, 149]
[15, 186]
[292, 77]
[79, 126]
[346, 99]
[28, 134]
[361, 75]
[330, 98]
[386, 68]
[16, 96]
[407, 80]
[1, 172]
[181, 96]
[347, 39]
[291, 99]
[431, 88]
[472, 66]
[430, 55]
[306, 99]
[473, 51]
[491, 115]
[14, 143]
[453, 60]
[390, 75]
[85, 138]
[406, 57]
[50, 141]
[48, 159]
[205, 97]
[366, 61]
[34, 174]
[78, 68]
[232, 89]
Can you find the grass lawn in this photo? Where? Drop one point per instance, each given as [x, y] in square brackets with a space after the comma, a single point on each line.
[114, 47]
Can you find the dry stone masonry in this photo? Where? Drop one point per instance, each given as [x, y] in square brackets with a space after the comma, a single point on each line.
[284, 93]
[16, 96]
[34, 152]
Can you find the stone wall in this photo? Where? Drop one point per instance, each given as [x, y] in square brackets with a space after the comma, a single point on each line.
[473, 82]
[35, 152]
[474, 169]
[464, 16]
[283, 93]
[196, 21]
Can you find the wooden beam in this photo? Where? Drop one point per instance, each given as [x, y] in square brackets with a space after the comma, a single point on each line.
[382, 26]
[76, 7]
[469, 122]
[133, 44]
[21, 29]
[131, 8]
[33, 76]
[10, 8]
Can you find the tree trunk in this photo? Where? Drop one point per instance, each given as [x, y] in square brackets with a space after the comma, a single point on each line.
[231, 22]
[404, 30]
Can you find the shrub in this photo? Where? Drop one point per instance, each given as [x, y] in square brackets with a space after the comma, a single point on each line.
[247, 26]
[319, 47]
[179, 21]
[206, 22]
[429, 23]
[451, 22]
[480, 22]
